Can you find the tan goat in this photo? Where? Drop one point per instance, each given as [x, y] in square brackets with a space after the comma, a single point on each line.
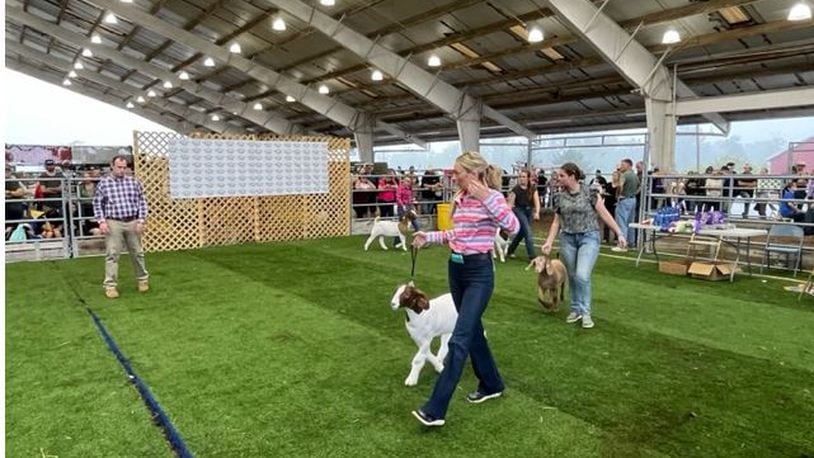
[551, 277]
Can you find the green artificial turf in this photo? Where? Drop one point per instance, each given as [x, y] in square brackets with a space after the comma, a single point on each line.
[292, 349]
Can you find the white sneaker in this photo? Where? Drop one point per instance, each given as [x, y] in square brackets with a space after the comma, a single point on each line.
[587, 322]
[619, 249]
[573, 317]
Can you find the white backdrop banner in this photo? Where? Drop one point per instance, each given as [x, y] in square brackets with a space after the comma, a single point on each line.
[226, 168]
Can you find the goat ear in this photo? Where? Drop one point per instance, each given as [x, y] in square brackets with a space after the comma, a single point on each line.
[411, 284]
[422, 301]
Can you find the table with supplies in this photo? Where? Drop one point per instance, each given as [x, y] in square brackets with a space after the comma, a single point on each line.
[731, 236]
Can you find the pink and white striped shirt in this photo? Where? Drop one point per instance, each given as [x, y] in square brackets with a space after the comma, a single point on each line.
[475, 224]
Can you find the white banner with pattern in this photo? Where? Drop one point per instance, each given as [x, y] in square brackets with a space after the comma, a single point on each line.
[227, 168]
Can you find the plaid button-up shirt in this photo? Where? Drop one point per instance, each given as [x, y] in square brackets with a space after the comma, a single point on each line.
[119, 198]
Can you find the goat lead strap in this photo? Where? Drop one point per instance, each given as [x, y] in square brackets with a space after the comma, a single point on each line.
[414, 256]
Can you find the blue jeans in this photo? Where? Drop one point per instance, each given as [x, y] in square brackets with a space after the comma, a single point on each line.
[625, 214]
[524, 217]
[579, 253]
[471, 285]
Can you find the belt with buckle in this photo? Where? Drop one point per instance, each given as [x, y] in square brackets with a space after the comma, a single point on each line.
[125, 220]
[464, 258]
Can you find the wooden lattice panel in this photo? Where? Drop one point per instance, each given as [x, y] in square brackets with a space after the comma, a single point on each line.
[177, 224]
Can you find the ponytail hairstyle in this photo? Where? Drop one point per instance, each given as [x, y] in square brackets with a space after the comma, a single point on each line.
[573, 170]
[474, 162]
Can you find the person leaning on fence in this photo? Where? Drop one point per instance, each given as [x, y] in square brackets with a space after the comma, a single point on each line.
[120, 209]
[577, 209]
[626, 202]
[477, 213]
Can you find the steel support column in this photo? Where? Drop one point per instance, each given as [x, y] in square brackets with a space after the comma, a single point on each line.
[661, 127]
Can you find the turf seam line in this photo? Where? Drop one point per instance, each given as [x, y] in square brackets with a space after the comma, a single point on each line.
[159, 417]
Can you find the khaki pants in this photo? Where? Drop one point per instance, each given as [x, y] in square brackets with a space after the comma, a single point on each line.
[123, 235]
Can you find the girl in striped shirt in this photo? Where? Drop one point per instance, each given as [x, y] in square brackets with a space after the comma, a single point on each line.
[477, 213]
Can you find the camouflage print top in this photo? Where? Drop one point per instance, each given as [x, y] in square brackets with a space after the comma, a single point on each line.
[576, 210]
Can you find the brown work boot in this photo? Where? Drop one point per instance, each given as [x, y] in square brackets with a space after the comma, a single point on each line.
[143, 286]
[111, 292]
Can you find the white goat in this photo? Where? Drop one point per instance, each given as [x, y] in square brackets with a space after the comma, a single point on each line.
[382, 229]
[501, 245]
[426, 320]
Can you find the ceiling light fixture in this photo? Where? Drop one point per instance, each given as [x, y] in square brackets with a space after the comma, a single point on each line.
[110, 18]
[235, 48]
[140, 99]
[290, 99]
[800, 12]
[78, 65]
[278, 25]
[258, 106]
[87, 52]
[377, 75]
[151, 93]
[130, 105]
[66, 82]
[327, 2]
[167, 85]
[126, 1]
[323, 89]
[535, 35]
[215, 117]
[96, 39]
[209, 62]
[183, 76]
[434, 61]
[670, 37]
[72, 74]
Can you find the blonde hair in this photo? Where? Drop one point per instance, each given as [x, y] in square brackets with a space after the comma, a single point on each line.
[474, 162]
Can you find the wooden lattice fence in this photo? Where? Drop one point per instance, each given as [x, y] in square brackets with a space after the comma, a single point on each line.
[179, 224]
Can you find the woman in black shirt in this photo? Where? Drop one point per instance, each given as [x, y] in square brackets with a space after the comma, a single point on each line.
[525, 202]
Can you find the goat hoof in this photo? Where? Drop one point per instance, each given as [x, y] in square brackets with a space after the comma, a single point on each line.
[411, 381]
[439, 369]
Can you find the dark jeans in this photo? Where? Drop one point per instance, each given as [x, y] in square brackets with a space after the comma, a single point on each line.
[471, 285]
[524, 217]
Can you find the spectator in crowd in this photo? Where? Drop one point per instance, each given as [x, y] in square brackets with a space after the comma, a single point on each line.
[714, 188]
[694, 188]
[728, 182]
[14, 190]
[432, 191]
[789, 209]
[609, 198]
[478, 212]
[626, 203]
[768, 189]
[599, 180]
[363, 194]
[405, 203]
[120, 208]
[525, 203]
[542, 185]
[87, 190]
[577, 211]
[656, 187]
[387, 194]
[746, 189]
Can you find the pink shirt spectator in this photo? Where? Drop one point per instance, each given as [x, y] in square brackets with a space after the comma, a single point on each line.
[476, 223]
[387, 190]
[404, 194]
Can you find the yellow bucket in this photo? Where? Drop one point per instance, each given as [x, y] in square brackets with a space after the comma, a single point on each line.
[445, 217]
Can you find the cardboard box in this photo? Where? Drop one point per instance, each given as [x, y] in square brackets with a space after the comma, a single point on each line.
[712, 271]
[675, 267]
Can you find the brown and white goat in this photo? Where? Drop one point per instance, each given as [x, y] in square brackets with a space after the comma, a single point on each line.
[426, 320]
[382, 229]
[502, 240]
[551, 277]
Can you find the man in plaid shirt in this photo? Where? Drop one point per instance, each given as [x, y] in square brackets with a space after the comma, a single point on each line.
[120, 209]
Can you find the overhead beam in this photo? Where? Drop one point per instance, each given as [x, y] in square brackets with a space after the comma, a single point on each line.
[621, 50]
[270, 119]
[329, 107]
[48, 77]
[787, 98]
[132, 91]
[423, 83]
